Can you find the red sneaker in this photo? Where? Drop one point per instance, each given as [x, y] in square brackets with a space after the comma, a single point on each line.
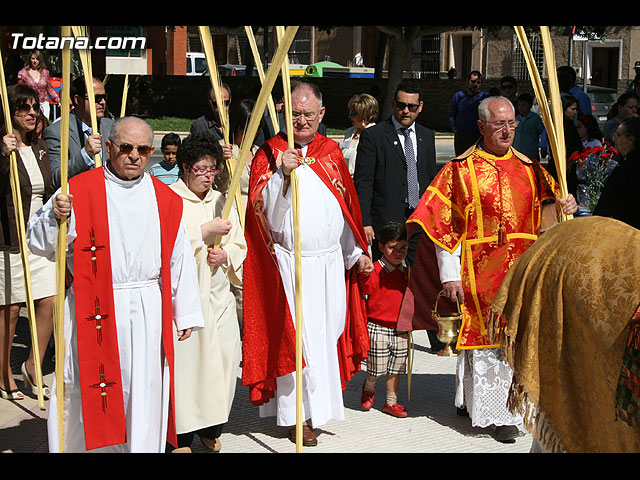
[367, 399]
[396, 410]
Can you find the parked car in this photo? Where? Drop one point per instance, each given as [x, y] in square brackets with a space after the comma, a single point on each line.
[196, 63]
[229, 70]
[602, 99]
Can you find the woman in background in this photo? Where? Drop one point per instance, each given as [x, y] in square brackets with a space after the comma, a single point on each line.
[35, 75]
[207, 364]
[619, 197]
[626, 105]
[36, 187]
[363, 112]
[589, 131]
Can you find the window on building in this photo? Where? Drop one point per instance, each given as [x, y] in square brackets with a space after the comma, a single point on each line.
[520, 70]
[425, 57]
[194, 42]
[300, 50]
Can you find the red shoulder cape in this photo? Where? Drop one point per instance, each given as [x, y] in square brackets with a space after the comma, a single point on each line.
[268, 343]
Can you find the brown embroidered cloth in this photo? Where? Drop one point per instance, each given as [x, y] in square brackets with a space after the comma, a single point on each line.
[565, 307]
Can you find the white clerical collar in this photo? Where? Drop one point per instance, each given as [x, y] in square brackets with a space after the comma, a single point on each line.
[109, 175]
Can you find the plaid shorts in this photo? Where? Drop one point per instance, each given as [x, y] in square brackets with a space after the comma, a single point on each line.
[388, 352]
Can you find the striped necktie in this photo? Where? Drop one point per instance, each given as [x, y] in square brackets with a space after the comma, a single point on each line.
[413, 187]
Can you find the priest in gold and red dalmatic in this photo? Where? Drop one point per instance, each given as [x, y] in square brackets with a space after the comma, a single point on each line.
[134, 289]
[333, 247]
[480, 213]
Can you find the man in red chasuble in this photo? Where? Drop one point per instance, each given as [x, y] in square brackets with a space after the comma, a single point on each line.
[335, 338]
[481, 212]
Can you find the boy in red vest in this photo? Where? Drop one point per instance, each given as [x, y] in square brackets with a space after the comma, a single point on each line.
[385, 287]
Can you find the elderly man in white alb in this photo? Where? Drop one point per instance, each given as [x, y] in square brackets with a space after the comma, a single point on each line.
[134, 286]
[332, 243]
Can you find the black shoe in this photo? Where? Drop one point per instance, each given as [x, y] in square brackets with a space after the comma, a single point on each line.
[462, 411]
[435, 344]
[507, 433]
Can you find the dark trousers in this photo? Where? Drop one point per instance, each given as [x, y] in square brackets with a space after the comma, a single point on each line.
[462, 143]
[186, 439]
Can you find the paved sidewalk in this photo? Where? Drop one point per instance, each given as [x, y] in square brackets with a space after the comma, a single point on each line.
[432, 426]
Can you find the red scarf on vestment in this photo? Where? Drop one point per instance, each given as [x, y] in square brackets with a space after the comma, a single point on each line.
[98, 355]
[269, 344]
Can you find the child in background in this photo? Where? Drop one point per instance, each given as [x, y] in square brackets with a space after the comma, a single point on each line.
[167, 170]
[385, 288]
[589, 131]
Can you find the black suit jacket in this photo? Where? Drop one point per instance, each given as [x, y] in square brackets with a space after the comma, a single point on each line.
[380, 174]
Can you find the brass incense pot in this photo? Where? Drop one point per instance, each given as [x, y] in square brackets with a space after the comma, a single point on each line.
[449, 327]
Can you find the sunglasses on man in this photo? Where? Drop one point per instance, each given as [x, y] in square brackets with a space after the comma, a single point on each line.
[99, 97]
[214, 103]
[413, 107]
[127, 148]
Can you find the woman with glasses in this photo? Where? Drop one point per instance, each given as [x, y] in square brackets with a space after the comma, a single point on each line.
[363, 113]
[36, 187]
[35, 75]
[207, 365]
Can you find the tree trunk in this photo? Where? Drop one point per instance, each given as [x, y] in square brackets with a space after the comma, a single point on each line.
[400, 44]
[381, 50]
[247, 55]
[399, 51]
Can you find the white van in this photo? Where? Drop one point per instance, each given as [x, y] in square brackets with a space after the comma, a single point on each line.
[196, 63]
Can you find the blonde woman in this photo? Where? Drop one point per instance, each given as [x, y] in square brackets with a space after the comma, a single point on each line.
[363, 112]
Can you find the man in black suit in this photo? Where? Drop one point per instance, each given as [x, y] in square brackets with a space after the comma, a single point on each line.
[395, 163]
[390, 180]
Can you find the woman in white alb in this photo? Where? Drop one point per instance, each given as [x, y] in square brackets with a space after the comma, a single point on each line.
[207, 363]
[36, 187]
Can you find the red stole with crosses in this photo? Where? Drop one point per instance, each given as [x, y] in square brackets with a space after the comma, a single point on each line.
[98, 355]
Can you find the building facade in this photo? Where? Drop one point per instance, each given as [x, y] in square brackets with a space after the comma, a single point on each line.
[606, 62]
